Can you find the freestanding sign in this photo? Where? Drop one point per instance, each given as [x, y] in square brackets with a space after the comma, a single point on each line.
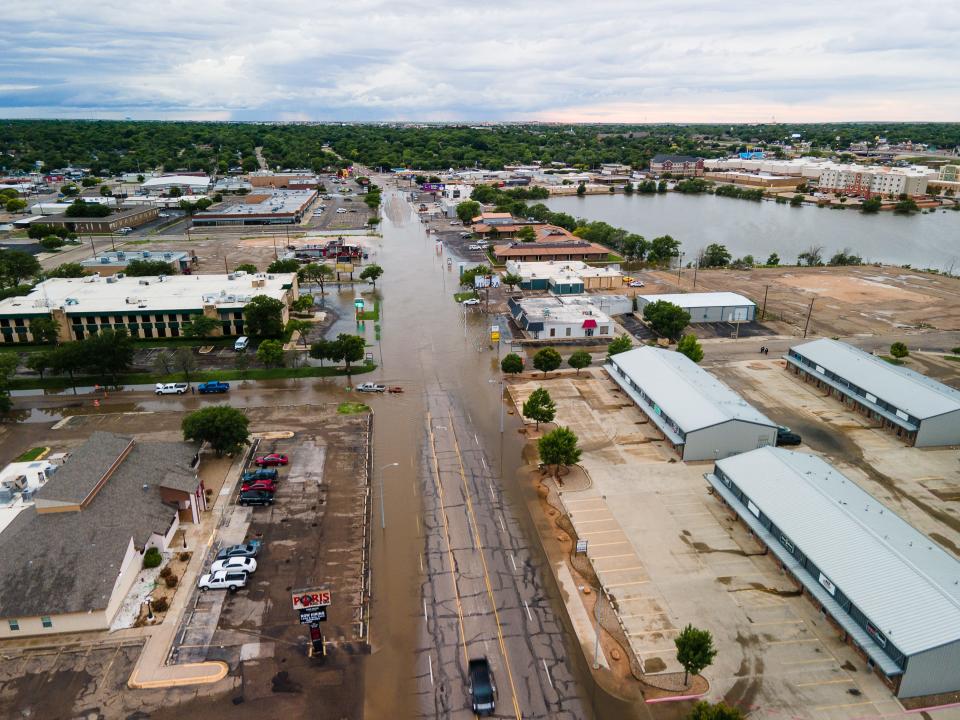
[581, 546]
[308, 617]
[310, 599]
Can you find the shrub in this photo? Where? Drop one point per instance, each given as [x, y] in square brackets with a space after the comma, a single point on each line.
[171, 580]
[185, 556]
[160, 604]
[166, 572]
[152, 558]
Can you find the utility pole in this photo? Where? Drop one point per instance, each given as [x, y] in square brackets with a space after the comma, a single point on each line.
[695, 268]
[809, 313]
[679, 267]
[763, 310]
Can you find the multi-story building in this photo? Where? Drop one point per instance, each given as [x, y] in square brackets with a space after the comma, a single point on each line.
[874, 181]
[273, 207]
[130, 217]
[676, 165]
[147, 307]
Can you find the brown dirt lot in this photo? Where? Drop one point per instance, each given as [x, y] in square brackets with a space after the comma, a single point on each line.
[847, 300]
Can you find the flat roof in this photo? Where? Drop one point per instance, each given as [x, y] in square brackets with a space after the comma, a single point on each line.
[271, 202]
[562, 309]
[192, 180]
[904, 582]
[93, 294]
[558, 268]
[113, 258]
[697, 300]
[690, 395]
[917, 394]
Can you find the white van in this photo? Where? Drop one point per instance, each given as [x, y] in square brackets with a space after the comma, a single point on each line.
[241, 344]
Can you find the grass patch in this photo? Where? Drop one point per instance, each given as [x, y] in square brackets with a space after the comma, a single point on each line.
[955, 358]
[461, 296]
[32, 454]
[185, 342]
[613, 257]
[352, 408]
[371, 314]
[892, 360]
[63, 383]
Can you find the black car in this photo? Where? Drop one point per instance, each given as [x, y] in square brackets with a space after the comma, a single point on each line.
[787, 437]
[482, 690]
[255, 497]
[261, 474]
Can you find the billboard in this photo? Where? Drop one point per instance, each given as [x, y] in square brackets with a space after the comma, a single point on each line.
[344, 267]
[486, 281]
[310, 599]
[433, 187]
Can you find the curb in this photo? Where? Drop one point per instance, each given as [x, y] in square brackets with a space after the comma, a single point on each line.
[675, 698]
[221, 672]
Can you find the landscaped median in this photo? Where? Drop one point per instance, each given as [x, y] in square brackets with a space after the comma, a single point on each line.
[146, 378]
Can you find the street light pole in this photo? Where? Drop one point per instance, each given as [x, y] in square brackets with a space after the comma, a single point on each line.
[383, 517]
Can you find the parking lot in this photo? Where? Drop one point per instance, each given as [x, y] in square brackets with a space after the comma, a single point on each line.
[668, 553]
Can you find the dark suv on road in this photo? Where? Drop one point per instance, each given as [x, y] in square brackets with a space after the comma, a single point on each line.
[482, 690]
[255, 497]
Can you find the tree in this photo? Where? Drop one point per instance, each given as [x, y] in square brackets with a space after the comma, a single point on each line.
[628, 188]
[619, 344]
[665, 318]
[246, 267]
[52, 243]
[663, 248]
[108, 353]
[690, 347]
[871, 205]
[813, 255]
[40, 362]
[845, 257]
[526, 234]
[705, 711]
[511, 364]
[241, 361]
[315, 273]
[351, 349]
[270, 353]
[288, 265]
[15, 205]
[304, 303]
[300, 326]
[773, 259]
[163, 363]
[148, 268]
[81, 208]
[69, 189]
[695, 650]
[67, 270]
[899, 350]
[547, 360]
[68, 358]
[715, 255]
[511, 280]
[105, 191]
[797, 200]
[224, 427]
[579, 360]
[175, 192]
[45, 330]
[540, 407]
[17, 265]
[468, 210]
[185, 362]
[326, 350]
[906, 206]
[8, 367]
[263, 317]
[582, 189]
[200, 326]
[371, 273]
[559, 448]
[468, 276]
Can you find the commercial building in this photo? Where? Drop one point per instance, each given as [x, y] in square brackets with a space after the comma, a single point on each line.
[701, 418]
[114, 261]
[890, 591]
[560, 317]
[918, 409]
[278, 207]
[130, 217]
[877, 180]
[757, 179]
[285, 181]
[707, 307]
[564, 277]
[147, 307]
[575, 249]
[187, 184]
[67, 562]
[677, 165]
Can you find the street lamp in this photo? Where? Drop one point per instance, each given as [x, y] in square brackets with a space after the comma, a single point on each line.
[679, 267]
[383, 517]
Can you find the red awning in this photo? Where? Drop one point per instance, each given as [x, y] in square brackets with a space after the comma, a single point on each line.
[589, 323]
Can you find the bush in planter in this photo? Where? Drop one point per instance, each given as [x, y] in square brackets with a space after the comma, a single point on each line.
[184, 557]
[166, 572]
[152, 558]
[160, 604]
[171, 580]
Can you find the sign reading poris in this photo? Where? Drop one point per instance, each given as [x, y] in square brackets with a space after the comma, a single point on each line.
[308, 599]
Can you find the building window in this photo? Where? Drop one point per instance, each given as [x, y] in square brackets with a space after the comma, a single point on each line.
[553, 332]
[46, 621]
[14, 625]
[569, 330]
[18, 322]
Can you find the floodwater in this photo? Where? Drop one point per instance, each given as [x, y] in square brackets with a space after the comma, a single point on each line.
[761, 228]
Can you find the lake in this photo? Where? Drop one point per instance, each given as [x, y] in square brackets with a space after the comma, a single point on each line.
[760, 228]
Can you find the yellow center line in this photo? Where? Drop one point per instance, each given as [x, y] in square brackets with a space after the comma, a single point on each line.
[486, 574]
[446, 534]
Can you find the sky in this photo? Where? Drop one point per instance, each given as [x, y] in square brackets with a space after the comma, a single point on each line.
[493, 60]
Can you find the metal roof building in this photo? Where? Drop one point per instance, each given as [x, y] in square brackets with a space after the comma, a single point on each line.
[707, 306]
[917, 408]
[699, 415]
[894, 592]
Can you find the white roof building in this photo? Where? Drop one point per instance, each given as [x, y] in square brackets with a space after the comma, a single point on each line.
[892, 589]
[194, 183]
[707, 306]
[700, 416]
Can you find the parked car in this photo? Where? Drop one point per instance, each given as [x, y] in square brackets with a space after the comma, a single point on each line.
[255, 497]
[269, 486]
[231, 580]
[261, 474]
[454, 222]
[471, 301]
[787, 437]
[241, 564]
[465, 234]
[247, 549]
[213, 386]
[636, 283]
[340, 211]
[241, 344]
[371, 387]
[482, 690]
[171, 388]
[272, 459]
[125, 230]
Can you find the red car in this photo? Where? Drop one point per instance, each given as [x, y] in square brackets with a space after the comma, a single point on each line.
[267, 485]
[272, 459]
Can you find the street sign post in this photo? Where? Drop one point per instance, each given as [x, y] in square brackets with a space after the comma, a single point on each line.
[311, 604]
[308, 617]
[310, 599]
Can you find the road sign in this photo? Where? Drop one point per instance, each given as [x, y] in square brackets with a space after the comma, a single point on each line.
[307, 617]
[358, 303]
[310, 599]
[581, 546]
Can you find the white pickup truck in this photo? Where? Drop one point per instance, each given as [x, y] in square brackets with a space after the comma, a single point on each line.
[171, 388]
[371, 387]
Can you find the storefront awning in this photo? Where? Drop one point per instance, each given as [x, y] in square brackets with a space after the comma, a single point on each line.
[589, 323]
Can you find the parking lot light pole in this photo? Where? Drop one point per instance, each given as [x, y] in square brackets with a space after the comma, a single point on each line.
[383, 517]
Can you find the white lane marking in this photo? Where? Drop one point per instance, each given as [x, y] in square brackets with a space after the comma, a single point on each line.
[514, 561]
[484, 463]
[527, 608]
[493, 498]
[430, 661]
[476, 439]
[502, 525]
[425, 609]
[547, 671]
[421, 561]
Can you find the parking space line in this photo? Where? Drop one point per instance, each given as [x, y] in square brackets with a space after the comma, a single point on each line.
[778, 622]
[625, 584]
[845, 705]
[808, 662]
[613, 570]
[610, 557]
[568, 503]
[587, 522]
[619, 542]
[593, 510]
[825, 682]
[793, 642]
[601, 532]
[636, 615]
[652, 632]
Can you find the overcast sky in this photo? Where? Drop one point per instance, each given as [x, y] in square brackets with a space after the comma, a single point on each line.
[631, 61]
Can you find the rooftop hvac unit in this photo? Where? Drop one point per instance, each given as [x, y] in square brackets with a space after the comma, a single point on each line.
[146, 253]
[111, 280]
[232, 276]
[16, 484]
[71, 301]
[104, 260]
[27, 495]
[144, 282]
[121, 255]
[120, 275]
[167, 255]
[6, 496]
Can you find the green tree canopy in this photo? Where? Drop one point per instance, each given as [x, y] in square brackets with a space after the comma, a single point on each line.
[665, 318]
[705, 711]
[351, 349]
[200, 326]
[579, 360]
[108, 353]
[263, 317]
[468, 276]
[224, 427]
[326, 350]
[540, 407]
[45, 330]
[715, 255]
[773, 259]
[148, 268]
[371, 273]
[695, 650]
[288, 265]
[526, 234]
[662, 249]
[899, 350]
[468, 210]
[511, 280]
[690, 346]
[511, 363]
[79, 208]
[559, 448]
[619, 344]
[547, 360]
[315, 273]
[270, 353]
[247, 267]
[17, 266]
[8, 368]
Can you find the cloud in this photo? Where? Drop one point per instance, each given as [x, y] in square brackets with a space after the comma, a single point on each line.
[607, 60]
